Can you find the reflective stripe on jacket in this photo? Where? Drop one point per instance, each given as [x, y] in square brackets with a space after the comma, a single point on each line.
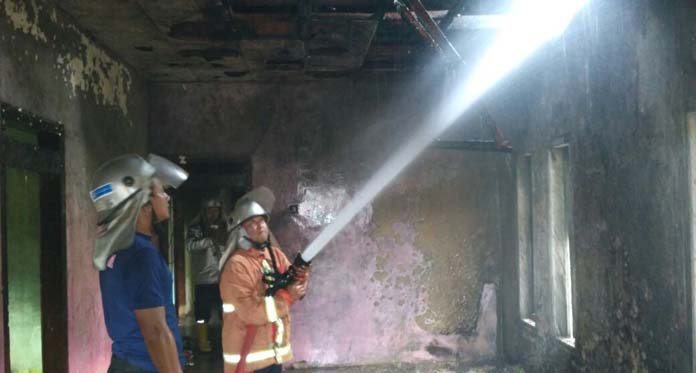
[245, 304]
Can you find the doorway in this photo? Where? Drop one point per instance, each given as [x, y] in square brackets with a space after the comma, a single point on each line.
[32, 231]
[225, 179]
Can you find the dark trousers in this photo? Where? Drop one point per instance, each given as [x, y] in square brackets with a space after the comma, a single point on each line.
[275, 368]
[207, 299]
[122, 366]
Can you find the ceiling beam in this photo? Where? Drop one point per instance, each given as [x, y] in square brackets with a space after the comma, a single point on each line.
[165, 13]
[436, 34]
[411, 19]
[378, 16]
[472, 145]
[460, 22]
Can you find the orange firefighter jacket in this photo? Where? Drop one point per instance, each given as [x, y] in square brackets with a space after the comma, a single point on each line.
[253, 324]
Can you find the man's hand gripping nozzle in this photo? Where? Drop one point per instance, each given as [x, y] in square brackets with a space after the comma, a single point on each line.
[296, 272]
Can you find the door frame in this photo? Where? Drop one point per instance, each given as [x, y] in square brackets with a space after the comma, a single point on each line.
[210, 171]
[48, 160]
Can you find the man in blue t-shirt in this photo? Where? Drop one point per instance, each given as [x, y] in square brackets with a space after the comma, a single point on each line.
[136, 284]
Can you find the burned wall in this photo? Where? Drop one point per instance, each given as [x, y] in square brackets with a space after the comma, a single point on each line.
[405, 281]
[616, 89]
[52, 69]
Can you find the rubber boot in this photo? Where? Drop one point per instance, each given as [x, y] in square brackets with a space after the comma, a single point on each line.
[203, 342]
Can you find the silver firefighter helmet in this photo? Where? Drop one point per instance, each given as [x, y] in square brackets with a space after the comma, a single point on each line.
[246, 209]
[248, 206]
[119, 189]
[251, 204]
[167, 171]
[116, 181]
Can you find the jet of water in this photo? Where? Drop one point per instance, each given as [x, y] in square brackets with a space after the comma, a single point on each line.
[533, 23]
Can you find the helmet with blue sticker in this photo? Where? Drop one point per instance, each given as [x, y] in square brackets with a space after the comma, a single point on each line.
[119, 189]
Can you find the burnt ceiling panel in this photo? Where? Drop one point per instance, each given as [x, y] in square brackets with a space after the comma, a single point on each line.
[338, 43]
[274, 54]
[200, 40]
[165, 13]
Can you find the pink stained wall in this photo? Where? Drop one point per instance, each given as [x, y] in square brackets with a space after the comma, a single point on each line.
[406, 280]
[43, 70]
[399, 283]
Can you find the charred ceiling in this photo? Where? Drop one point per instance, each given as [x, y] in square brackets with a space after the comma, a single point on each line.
[212, 40]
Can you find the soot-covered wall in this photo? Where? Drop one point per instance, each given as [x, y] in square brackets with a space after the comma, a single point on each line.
[52, 69]
[616, 89]
[406, 280]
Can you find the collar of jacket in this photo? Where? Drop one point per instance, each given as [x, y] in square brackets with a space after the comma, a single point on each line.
[255, 253]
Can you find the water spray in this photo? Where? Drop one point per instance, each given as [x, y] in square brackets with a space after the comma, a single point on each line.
[532, 23]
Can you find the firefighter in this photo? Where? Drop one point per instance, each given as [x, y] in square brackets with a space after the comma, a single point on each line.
[136, 284]
[205, 237]
[256, 320]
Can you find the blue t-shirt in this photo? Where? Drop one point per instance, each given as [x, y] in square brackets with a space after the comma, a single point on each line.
[139, 278]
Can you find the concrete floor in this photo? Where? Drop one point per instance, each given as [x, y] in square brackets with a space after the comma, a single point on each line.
[213, 363]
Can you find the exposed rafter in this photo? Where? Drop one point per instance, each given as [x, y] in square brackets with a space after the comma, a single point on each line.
[204, 40]
[411, 19]
[434, 30]
[472, 145]
[433, 34]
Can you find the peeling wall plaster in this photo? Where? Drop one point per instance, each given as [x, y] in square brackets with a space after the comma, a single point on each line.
[104, 110]
[85, 66]
[94, 70]
[24, 16]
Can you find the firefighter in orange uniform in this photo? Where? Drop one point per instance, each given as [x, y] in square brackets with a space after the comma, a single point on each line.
[256, 319]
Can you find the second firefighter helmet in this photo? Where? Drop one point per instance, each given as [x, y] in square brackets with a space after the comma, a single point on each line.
[246, 209]
[257, 202]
